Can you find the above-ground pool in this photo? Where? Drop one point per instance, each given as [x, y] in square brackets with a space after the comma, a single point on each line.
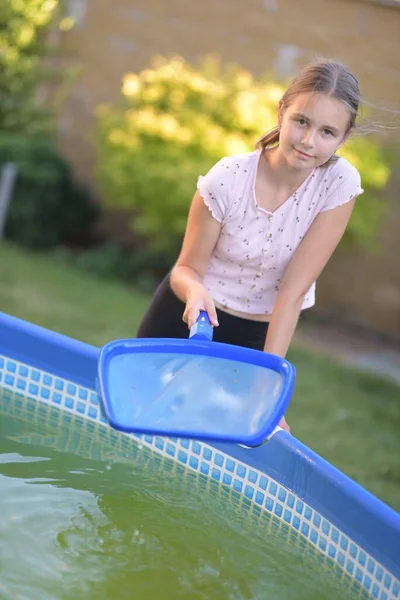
[87, 512]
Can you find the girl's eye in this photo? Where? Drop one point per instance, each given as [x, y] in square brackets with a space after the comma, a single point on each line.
[328, 132]
[301, 121]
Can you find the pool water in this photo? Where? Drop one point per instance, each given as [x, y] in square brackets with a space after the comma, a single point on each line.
[86, 513]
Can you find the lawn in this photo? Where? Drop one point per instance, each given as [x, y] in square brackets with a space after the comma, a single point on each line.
[349, 417]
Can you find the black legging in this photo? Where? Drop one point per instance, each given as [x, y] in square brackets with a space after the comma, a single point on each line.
[163, 319]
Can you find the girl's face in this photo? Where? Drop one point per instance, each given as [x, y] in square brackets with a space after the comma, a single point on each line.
[312, 128]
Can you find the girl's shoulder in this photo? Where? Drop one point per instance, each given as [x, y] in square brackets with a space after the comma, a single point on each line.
[233, 165]
[340, 171]
[339, 182]
[229, 174]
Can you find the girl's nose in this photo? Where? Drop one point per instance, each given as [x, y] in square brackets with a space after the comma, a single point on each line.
[308, 138]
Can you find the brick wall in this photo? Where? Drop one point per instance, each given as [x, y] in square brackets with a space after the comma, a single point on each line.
[116, 36]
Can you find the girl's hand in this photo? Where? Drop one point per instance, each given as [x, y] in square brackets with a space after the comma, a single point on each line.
[282, 423]
[198, 299]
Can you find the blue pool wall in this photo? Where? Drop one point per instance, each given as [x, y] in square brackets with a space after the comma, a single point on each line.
[346, 505]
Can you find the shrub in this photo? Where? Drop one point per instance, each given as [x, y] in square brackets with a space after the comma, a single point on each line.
[24, 46]
[48, 207]
[175, 121]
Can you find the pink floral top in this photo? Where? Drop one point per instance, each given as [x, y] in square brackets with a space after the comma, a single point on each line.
[255, 246]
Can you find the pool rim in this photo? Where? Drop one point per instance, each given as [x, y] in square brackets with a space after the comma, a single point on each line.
[368, 521]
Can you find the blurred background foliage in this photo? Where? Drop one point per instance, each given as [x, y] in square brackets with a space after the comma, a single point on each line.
[49, 207]
[175, 120]
[24, 44]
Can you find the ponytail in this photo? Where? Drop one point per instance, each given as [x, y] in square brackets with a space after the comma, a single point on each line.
[269, 139]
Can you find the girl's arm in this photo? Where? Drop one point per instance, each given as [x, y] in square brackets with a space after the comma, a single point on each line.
[305, 267]
[202, 232]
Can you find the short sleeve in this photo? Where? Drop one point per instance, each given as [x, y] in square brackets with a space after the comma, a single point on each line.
[343, 185]
[214, 189]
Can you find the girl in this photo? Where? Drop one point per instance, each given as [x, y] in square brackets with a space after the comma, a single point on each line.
[263, 225]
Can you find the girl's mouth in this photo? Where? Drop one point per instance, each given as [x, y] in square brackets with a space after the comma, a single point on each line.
[303, 153]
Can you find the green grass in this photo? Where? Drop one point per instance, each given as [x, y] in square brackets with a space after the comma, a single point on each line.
[349, 417]
[60, 297]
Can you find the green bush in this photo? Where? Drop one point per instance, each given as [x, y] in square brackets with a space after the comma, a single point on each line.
[24, 46]
[111, 260]
[48, 207]
[176, 120]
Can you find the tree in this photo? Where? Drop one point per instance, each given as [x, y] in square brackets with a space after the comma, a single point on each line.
[24, 29]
